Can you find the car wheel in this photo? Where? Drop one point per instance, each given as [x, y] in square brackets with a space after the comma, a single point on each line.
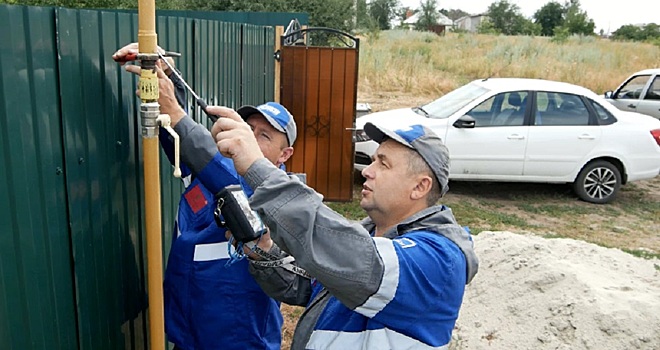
[598, 182]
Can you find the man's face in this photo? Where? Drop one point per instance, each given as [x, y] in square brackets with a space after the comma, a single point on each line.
[273, 144]
[388, 184]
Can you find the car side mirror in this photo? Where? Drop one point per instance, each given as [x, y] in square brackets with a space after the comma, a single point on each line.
[465, 122]
[608, 94]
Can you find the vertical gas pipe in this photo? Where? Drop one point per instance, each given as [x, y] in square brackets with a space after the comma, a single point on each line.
[149, 110]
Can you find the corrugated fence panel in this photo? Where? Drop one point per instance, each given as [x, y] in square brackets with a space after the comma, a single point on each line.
[174, 34]
[72, 258]
[253, 79]
[103, 175]
[205, 77]
[269, 90]
[37, 306]
[229, 63]
[217, 76]
[228, 75]
[257, 18]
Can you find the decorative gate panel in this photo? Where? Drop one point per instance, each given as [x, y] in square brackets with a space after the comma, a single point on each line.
[319, 87]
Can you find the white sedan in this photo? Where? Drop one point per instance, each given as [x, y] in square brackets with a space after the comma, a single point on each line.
[530, 130]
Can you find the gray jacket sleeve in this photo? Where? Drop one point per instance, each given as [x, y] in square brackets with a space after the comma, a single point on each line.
[337, 252]
[281, 284]
[197, 145]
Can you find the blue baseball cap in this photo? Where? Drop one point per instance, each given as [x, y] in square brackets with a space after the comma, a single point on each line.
[423, 141]
[278, 116]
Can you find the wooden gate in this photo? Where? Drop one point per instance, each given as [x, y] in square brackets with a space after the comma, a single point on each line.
[318, 84]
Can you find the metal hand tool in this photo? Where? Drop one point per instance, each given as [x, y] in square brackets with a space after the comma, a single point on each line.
[202, 104]
[134, 56]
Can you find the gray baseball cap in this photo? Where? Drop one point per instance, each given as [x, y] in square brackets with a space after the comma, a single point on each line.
[422, 140]
[278, 116]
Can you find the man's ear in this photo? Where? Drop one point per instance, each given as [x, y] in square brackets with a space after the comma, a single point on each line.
[285, 154]
[423, 187]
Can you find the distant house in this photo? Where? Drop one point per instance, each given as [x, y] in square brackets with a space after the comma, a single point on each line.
[412, 18]
[470, 23]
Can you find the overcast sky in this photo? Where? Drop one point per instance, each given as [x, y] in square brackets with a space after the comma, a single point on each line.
[608, 15]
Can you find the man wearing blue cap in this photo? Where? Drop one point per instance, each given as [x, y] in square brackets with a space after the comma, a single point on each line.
[210, 303]
[394, 281]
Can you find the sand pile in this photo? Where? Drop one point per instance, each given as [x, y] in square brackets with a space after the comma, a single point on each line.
[537, 293]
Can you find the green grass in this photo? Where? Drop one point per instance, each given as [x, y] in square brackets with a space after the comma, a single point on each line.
[552, 236]
[486, 216]
[555, 210]
[350, 210]
[642, 253]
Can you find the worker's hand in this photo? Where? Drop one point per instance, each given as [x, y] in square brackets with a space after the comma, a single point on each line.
[167, 97]
[126, 53]
[264, 243]
[235, 138]
[129, 53]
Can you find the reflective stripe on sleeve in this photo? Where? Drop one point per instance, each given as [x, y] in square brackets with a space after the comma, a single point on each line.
[388, 284]
[374, 339]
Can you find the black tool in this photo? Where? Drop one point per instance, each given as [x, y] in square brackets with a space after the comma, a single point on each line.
[233, 212]
[201, 103]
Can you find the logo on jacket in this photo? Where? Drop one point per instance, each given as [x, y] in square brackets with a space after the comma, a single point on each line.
[405, 242]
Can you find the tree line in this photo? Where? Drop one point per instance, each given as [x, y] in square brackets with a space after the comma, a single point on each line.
[557, 20]
[553, 19]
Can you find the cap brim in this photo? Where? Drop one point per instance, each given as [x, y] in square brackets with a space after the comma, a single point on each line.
[247, 111]
[379, 134]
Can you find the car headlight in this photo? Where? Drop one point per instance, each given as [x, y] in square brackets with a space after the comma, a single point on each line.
[360, 136]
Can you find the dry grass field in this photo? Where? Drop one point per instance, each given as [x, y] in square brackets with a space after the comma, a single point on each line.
[427, 65]
[405, 69]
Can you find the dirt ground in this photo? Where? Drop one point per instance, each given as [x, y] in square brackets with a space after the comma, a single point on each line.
[547, 294]
[631, 221]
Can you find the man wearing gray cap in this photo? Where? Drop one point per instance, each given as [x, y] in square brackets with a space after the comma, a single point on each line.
[394, 281]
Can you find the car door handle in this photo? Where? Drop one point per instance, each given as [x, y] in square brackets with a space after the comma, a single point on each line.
[515, 137]
[632, 106]
[586, 137]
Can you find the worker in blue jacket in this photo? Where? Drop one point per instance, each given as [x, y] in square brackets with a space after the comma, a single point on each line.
[211, 300]
[394, 281]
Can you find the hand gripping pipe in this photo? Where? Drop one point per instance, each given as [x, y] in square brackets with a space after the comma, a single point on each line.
[149, 111]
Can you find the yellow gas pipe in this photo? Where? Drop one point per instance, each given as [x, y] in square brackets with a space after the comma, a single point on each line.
[149, 111]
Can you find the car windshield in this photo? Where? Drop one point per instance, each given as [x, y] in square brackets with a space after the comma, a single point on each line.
[453, 101]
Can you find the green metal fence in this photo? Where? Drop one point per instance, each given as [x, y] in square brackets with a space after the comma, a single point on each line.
[72, 261]
[256, 18]
[37, 304]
